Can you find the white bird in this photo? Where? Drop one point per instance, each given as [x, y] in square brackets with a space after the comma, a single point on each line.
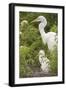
[24, 22]
[49, 38]
[44, 61]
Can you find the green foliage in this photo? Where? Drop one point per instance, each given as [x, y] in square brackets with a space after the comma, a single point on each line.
[53, 28]
[53, 57]
[25, 70]
[31, 43]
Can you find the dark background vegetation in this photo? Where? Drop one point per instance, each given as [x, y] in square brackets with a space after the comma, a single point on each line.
[31, 42]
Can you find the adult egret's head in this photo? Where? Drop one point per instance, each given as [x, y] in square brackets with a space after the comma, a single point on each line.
[41, 53]
[41, 19]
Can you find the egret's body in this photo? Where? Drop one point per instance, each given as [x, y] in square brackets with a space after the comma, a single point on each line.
[44, 61]
[47, 38]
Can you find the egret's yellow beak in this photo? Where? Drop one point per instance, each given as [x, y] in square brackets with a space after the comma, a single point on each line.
[35, 20]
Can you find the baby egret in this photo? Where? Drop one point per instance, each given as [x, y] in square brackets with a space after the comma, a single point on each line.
[24, 22]
[44, 61]
[47, 38]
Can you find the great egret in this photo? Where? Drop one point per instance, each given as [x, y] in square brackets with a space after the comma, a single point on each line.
[44, 61]
[49, 38]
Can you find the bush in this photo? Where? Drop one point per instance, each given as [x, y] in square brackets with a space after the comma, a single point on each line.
[24, 53]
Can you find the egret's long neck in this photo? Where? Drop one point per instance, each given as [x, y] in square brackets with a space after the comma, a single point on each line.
[42, 32]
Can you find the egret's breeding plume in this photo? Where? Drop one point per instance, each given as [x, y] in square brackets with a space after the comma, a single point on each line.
[44, 61]
[49, 38]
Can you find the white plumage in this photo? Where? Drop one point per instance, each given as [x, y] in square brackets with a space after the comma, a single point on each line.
[44, 61]
[49, 38]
